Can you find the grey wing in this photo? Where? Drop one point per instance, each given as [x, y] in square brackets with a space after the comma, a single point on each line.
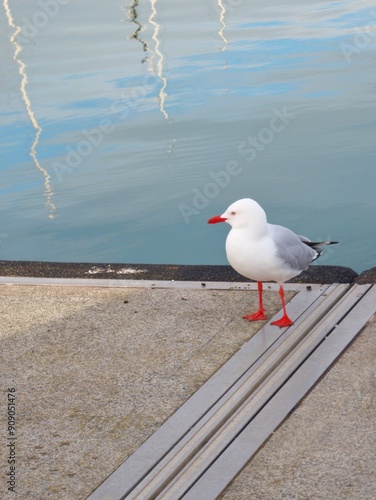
[291, 248]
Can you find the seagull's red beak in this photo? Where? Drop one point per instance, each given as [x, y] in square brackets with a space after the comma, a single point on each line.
[216, 219]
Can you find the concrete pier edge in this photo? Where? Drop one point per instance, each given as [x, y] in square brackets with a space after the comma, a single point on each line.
[316, 274]
[82, 330]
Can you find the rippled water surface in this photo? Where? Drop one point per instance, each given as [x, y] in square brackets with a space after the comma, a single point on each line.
[126, 125]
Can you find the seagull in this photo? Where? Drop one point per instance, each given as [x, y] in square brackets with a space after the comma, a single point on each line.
[265, 252]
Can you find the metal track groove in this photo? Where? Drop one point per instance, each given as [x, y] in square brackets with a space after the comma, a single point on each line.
[201, 448]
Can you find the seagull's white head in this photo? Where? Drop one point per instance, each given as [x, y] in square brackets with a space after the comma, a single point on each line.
[245, 213]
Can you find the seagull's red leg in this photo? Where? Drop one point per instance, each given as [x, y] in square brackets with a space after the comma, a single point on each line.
[285, 320]
[260, 314]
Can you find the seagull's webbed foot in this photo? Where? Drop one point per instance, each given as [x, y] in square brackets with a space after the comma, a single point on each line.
[282, 322]
[259, 315]
[285, 320]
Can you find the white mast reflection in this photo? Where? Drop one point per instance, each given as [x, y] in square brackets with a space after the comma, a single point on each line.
[221, 32]
[38, 129]
[158, 70]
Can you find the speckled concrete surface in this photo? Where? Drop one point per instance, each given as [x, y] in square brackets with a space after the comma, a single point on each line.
[97, 370]
[327, 448]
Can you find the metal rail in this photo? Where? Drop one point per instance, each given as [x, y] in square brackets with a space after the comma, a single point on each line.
[201, 448]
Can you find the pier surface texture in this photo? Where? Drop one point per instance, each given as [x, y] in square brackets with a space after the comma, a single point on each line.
[143, 382]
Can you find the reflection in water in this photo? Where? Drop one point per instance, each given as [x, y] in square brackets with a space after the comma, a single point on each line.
[38, 130]
[170, 166]
[223, 24]
[278, 58]
[133, 16]
[158, 69]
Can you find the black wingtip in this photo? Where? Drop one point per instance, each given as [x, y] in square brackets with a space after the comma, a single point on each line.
[314, 244]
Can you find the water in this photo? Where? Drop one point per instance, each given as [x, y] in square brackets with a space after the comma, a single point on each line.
[126, 125]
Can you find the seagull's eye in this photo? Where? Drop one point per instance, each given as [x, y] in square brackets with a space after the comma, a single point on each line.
[233, 213]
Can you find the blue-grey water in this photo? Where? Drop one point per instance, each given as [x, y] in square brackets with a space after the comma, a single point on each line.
[125, 125]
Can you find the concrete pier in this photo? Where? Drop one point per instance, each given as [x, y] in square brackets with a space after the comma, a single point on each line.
[132, 387]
